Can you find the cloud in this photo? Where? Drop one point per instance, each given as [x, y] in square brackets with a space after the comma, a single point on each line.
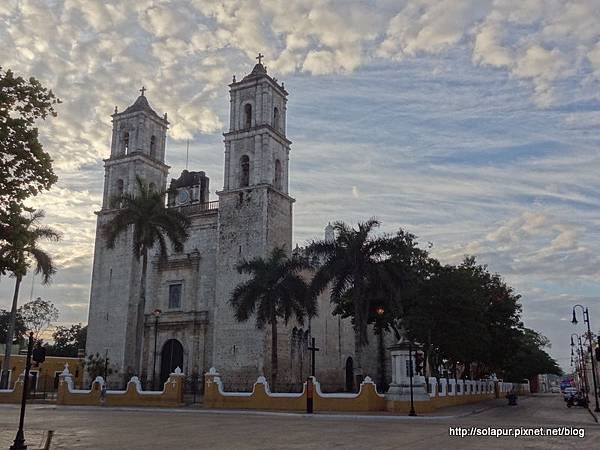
[488, 48]
[472, 123]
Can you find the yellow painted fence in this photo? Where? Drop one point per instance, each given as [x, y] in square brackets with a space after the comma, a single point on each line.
[441, 394]
[171, 395]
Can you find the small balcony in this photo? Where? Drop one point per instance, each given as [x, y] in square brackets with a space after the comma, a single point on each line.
[199, 208]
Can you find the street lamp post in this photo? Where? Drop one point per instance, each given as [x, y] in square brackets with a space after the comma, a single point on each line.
[581, 368]
[156, 313]
[410, 374]
[380, 347]
[19, 442]
[586, 319]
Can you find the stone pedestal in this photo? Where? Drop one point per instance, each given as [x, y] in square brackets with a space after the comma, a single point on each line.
[400, 387]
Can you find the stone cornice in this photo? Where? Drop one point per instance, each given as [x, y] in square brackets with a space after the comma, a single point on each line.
[179, 261]
[276, 134]
[255, 81]
[257, 186]
[136, 156]
[169, 319]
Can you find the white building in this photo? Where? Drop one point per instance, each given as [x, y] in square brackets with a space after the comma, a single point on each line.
[253, 214]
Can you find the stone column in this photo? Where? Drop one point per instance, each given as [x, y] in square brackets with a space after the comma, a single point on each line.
[400, 385]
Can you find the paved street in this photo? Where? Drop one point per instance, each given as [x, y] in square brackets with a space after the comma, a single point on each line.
[99, 428]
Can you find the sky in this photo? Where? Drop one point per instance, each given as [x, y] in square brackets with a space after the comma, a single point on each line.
[473, 124]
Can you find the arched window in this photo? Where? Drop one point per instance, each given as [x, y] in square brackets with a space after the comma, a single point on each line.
[126, 143]
[276, 118]
[278, 174]
[244, 171]
[248, 115]
[152, 187]
[153, 147]
[116, 202]
[349, 374]
[119, 187]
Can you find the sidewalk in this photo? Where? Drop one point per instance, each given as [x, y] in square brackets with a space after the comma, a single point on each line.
[441, 414]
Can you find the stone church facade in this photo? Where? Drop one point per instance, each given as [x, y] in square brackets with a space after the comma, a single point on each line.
[195, 328]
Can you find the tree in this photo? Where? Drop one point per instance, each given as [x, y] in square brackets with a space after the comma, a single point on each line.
[23, 251]
[152, 223]
[67, 341]
[394, 276]
[20, 329]
[529, 358]
[350, 262]
[98, 366]
[464, 315]
[38, 315]
[275, 290]
[25, 168]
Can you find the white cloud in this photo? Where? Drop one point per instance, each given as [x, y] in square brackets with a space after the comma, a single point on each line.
[488, 47]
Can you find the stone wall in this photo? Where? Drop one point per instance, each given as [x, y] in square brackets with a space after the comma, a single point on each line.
[251, 222]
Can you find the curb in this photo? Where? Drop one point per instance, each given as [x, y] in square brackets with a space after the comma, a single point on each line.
[315, 416]
[594, 415]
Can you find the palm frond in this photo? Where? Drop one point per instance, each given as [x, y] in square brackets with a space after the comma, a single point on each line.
[44, 264]
[45, 232]
[118, 225]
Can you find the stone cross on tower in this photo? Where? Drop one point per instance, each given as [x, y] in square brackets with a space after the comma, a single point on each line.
[260, 57]
[142, 90]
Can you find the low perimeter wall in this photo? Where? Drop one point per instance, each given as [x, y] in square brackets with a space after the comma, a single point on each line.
[171, 395]
[367, 399]
[13, 395]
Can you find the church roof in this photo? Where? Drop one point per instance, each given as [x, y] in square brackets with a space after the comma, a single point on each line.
[141, 104]
[258, 71]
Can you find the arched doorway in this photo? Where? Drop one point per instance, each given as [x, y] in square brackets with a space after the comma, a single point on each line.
[349, 375]
[171, 357]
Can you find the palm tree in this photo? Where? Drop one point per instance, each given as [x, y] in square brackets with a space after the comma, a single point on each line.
[350, 264]
[22, 250]
[276, 290]
[152, 224]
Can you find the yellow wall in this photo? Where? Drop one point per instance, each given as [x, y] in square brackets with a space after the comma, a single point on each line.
[46, 371]
[367, 400]
[12, 396]
[172, 395]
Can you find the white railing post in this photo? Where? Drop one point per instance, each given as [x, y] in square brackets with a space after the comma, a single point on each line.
[443, 383]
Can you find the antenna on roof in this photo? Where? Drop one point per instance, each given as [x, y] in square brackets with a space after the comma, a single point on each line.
[187, 154]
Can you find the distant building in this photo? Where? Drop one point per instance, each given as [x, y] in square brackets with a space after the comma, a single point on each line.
[44, 376]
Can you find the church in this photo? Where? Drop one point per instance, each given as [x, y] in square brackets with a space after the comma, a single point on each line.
[187, 320]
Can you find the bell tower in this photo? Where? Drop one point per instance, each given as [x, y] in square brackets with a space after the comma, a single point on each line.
[256, 147]
[137, 149]
[255, 211]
